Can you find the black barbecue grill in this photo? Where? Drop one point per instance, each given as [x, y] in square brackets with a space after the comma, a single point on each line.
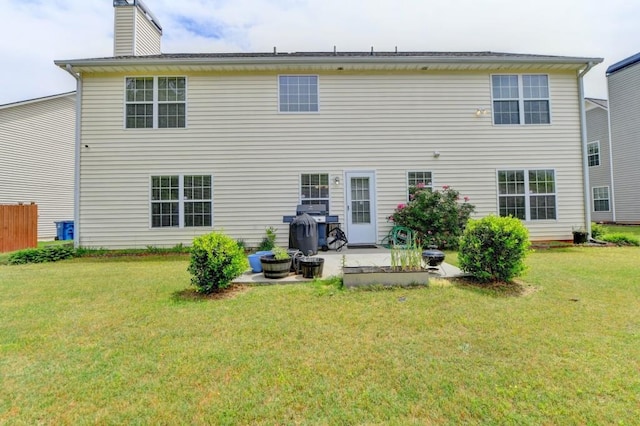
[319, 213]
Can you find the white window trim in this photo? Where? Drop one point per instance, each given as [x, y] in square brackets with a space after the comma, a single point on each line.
[181, 200]
[306, 199]
[527, 194]
[155, 102]
[418, 171]
[317, 76]
[593, 197]
[599, 154]
[521, 100]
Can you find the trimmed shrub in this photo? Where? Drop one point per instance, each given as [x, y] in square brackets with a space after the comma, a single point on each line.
[621, 239]
[493, 248]
[437, 217]
[41, 255]
[216, 260]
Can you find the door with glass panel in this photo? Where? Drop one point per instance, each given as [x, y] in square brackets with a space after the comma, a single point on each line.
[361, 207]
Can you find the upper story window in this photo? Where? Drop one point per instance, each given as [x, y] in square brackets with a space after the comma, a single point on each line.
[593, 153]
[420, 179]
[519, 99]
[314, 189]
[527, 194]
[155, 102]
[298, 93]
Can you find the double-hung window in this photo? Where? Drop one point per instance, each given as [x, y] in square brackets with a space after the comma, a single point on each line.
[521, 99]
[314, 189]
[527, 194]
[155, 102]
[419, 179]
[181, 201]
[593, 153]
[298, 93]
[601, 199]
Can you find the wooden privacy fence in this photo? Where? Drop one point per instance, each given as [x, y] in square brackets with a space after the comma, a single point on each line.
[18, 227]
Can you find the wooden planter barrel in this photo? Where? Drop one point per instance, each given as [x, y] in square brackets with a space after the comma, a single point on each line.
[275, 268]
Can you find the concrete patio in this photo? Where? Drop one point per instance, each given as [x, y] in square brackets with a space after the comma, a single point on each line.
[333, 262]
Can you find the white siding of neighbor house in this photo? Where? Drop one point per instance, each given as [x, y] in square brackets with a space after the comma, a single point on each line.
[37, 158]
[134, 34]
[600, 176]
[624, 109]
[389, 123]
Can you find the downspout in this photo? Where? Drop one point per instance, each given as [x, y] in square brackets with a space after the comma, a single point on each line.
[612, 190]
[76, 190]
[585, 155]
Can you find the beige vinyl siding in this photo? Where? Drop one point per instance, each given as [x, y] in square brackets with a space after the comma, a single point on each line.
[124, 30]
[37, 160]
[369, 121]
[624, 108]
[147, 36]
[599, 176]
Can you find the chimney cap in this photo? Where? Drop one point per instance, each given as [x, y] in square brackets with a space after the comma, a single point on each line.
[145, 9]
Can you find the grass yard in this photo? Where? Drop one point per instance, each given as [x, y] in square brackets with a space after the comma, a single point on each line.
[120, 341]
[631, 230]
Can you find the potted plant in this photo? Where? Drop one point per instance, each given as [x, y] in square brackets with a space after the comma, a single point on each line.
[277, 264]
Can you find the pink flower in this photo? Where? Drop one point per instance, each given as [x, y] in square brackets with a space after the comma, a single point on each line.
[401, 206]
[411, 197]
[445, 187]
[466, 198]
[390, 218]
[420, 185]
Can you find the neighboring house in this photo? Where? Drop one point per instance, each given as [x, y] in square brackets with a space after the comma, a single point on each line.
[623, 80]
[37, 157]
[174, 145]
[599, 159]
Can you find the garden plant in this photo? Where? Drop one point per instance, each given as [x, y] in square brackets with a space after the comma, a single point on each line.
[216, 259]
[437, 217]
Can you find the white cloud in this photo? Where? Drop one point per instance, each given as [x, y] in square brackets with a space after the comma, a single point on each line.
[36, 32]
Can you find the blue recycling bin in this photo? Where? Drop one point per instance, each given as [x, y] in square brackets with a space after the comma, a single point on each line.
[64, 230]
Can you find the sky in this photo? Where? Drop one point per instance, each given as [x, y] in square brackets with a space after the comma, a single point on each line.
[34, 33]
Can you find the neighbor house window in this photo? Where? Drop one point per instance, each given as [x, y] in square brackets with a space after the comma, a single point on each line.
[155, 102]
[314, 189]
[601, 199]
[415, 179]
[520, 99]
[527, 194]
[593, 153]
[298, 93]
[181, 201]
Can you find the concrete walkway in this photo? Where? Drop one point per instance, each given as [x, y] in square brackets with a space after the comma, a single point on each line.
[334, 261]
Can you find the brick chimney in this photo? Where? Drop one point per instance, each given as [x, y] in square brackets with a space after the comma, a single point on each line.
[136, 31]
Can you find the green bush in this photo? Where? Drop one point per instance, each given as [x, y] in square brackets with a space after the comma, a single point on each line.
[269, 240]
[216, 260]
[40, 255]
[597, 230]
[493, 248]
[621, 239]
[437, 217]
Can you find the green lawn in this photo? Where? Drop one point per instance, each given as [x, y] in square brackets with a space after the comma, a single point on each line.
[119, 341]
[632, 230]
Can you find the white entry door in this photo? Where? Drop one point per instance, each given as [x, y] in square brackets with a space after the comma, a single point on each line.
[361, 207]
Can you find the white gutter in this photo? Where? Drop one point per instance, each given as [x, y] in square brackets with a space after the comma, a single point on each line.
[76, 189]
[585, 154]
[612, 201]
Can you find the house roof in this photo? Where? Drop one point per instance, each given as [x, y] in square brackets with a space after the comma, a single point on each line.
[602, 103]
[43, 98]
[623, 63]
[330, 61]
